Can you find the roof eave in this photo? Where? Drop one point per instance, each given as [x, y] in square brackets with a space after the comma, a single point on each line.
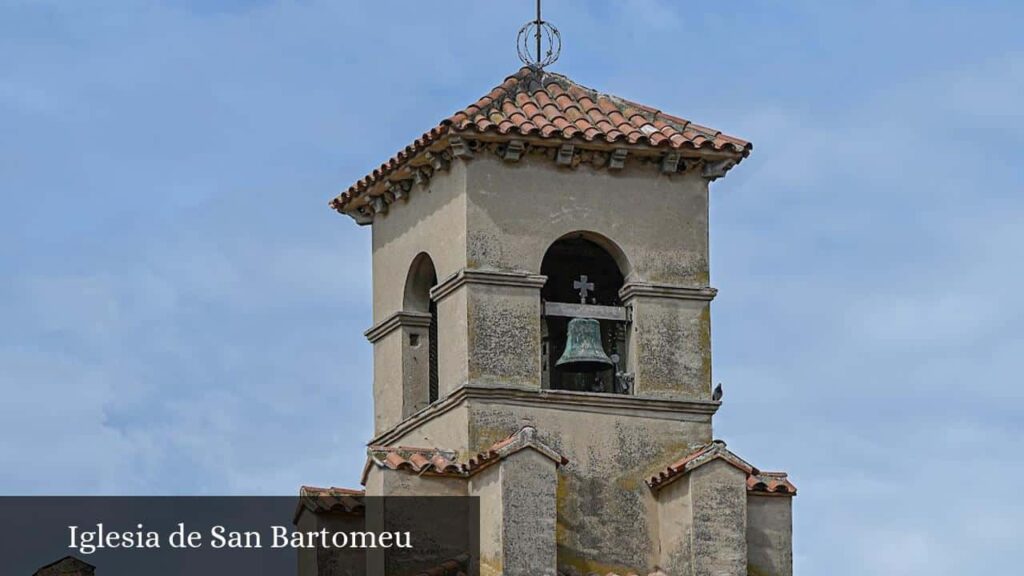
[432, 157]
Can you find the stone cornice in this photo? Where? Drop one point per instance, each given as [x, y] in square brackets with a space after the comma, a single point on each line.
[670, 291]
[400, 318]
[660, 408]
[488, 277]
[417, 172]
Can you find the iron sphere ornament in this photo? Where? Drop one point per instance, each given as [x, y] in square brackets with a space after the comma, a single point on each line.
[539, 44]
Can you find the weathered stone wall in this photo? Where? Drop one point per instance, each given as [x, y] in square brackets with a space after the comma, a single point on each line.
[670, 347]
[504, 335]
[529, 481]
[718, 497]
[601, 491]
[613, 443]
[490, 329]
[517, 511]
[769, 535]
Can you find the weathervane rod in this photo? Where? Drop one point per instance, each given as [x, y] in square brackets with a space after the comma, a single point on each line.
[539, 22]
[532, 36]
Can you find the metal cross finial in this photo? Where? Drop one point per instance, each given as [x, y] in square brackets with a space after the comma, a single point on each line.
[583, 286]
[538, 30]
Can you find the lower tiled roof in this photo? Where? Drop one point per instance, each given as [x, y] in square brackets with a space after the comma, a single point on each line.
[333, 492]
[418, 460]
[441, 462]
[333, 499]
[757, 481]
[771, 482]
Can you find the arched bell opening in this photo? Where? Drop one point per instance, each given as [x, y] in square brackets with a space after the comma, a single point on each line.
[421, 382]
[585, 326]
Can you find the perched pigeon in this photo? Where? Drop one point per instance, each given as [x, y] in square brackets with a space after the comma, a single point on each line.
[717, 394]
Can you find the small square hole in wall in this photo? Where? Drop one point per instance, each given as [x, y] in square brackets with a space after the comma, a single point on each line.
[414, 340]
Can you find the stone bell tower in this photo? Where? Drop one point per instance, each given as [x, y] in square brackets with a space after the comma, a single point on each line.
[543, 203]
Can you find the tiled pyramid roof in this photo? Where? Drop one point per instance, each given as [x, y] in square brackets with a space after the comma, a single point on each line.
[545, 105]
[550, 105]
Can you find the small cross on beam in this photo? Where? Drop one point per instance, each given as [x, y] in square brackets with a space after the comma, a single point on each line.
[583, 286]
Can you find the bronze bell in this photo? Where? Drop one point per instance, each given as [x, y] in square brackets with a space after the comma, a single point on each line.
[583, 349]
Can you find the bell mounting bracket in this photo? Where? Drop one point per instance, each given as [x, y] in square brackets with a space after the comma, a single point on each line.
[595, 311]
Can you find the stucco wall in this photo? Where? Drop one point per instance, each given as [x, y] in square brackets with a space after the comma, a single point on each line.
[388, 482]
[655, 225]
[432, 220]
[453, 341]
[387, 380]
[449, 430]
[718, 496]
[515, 211]
[769, 535]
[675, 528]
[415, 369]
[487, 487]
[486, 214]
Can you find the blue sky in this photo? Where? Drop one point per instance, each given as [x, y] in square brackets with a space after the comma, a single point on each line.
[181, 313]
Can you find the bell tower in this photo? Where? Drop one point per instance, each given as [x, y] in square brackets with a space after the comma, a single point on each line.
[541, 337]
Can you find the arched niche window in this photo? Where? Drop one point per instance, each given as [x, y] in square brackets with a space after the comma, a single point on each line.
[421, 381]
[581, 269]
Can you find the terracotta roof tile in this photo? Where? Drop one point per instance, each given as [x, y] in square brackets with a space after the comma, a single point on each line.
[440, 462]
[549, 105]
[757, 481]
[418, 460]
[333, 499]
[332, 491]
[771, 482]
